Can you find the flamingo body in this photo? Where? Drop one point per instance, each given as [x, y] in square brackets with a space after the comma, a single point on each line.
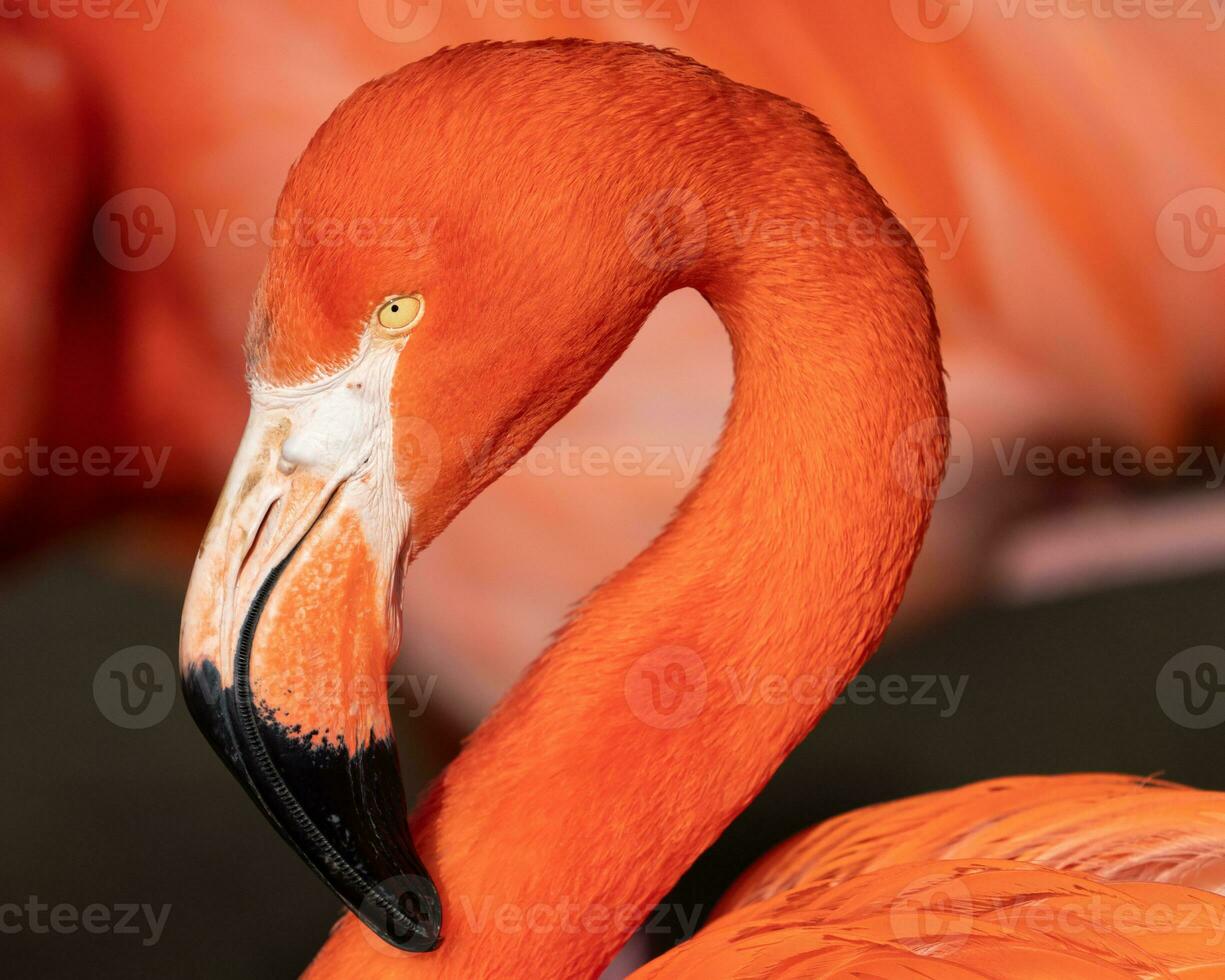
[1116, 828]
[571, 186]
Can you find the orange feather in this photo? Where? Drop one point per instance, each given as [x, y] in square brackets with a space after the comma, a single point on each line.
[957, 920]
[1117, 828]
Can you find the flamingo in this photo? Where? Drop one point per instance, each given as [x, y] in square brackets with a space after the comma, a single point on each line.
[574, 185]
[965, 132]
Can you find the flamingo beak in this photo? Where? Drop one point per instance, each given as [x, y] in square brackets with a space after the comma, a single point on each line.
[290, 626]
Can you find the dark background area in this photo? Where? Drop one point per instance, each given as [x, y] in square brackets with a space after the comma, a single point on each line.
[101, 814]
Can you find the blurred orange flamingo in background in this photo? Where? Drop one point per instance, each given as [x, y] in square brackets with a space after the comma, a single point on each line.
[1033, 198]
[375, 368]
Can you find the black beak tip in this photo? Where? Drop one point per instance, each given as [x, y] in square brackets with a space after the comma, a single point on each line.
[343, 811]
[405, 912]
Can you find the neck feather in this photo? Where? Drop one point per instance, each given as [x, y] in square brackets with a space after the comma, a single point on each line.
[683, 682]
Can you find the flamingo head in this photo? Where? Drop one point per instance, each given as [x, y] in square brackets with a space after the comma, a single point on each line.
[451, 272]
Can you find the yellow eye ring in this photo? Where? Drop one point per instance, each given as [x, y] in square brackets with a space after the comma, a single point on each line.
[401, 313]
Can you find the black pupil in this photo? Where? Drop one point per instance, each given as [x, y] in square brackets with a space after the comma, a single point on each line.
[395, 309]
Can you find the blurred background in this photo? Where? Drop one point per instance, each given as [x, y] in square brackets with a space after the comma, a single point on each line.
[1060, 163]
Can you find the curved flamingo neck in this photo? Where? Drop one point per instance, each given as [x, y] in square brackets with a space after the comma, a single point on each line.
[684, 681]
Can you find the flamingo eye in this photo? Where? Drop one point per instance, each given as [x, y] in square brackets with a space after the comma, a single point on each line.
[401, 313]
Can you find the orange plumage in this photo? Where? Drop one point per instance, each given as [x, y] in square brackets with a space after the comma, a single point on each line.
[962, 920]
[1116, 828]
[589, 791]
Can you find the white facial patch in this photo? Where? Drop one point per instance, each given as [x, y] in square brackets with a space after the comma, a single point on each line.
[311, 453]
[335, 422]
[338, 428]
